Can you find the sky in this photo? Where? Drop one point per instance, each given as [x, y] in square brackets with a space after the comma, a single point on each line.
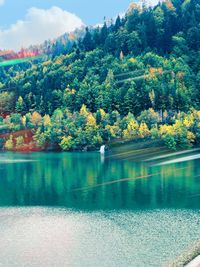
[26, 22]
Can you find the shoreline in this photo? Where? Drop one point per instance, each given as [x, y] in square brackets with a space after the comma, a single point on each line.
[189, 258]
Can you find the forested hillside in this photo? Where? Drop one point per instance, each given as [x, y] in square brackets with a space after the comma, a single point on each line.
[123, 80]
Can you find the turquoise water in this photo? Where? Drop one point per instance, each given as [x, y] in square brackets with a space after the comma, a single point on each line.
[83, 209]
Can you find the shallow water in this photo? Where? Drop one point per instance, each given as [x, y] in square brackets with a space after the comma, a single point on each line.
[82, 210]
[59, 237]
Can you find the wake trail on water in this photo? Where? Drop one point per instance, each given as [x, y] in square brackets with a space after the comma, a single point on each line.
[183, 159]
[173, 154]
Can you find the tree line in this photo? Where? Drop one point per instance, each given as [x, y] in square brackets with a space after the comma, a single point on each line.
[85, 130]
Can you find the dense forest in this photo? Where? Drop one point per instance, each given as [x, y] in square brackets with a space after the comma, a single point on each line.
[136, 77]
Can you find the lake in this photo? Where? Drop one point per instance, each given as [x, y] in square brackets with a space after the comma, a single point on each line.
[84, 209]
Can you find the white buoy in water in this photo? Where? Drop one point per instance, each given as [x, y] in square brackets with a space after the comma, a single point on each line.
[102, 149]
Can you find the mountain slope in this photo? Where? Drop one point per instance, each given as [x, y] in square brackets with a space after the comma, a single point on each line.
[150, 59]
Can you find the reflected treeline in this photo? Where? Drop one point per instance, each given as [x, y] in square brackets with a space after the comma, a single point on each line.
[86, 181]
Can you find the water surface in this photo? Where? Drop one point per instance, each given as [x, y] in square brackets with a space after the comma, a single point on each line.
[82, 209]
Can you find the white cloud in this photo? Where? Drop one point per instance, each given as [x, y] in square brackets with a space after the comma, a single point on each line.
[2, 2]
[153, 2]
[150, 3]
[38, 25]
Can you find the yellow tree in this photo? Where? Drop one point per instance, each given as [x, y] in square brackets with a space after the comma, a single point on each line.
[84, 111]
[23, 120]
[46, 120]
[131, 131]
[102, 112]
[144, 130]
[66, 143]
[36, 118]
[9, 144]
[91, 121]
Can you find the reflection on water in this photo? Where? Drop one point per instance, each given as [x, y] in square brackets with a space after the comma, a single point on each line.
[92, 181]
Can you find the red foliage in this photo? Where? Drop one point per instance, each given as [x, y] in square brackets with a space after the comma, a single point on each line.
[29, 144]
[5, 52]
[7, 55]
[5, 114]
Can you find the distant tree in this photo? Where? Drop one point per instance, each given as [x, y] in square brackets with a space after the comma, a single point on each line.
[117, 23]
[88, 41]
[20, 106]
